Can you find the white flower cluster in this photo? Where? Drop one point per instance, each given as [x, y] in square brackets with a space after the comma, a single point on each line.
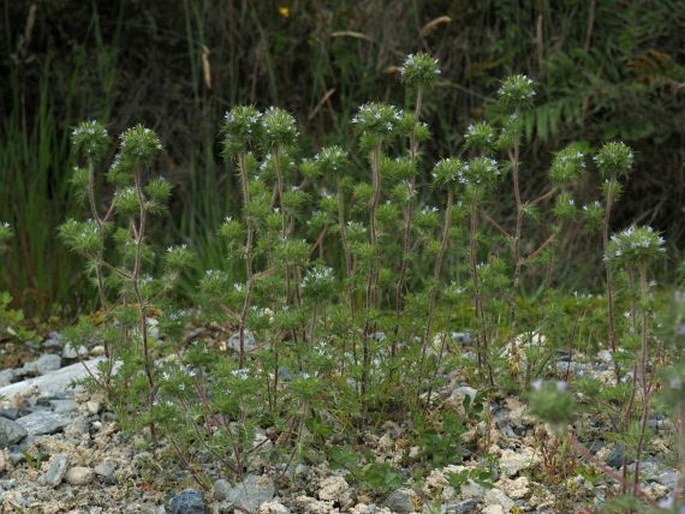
[520, 82]
[411, 61]
[317, 276]
[241, 374]
[89, 128]
[634, 241]
[377, 116]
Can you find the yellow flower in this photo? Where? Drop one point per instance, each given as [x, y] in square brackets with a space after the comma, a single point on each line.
[284, 11]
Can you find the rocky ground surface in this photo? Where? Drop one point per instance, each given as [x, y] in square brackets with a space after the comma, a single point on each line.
[61, 452]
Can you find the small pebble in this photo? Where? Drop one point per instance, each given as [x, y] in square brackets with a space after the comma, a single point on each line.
[79, 475]
[188, 501]
[93, 406]
[57, 470]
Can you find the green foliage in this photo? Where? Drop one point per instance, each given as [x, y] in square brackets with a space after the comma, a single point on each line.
[482, 477]
[333, 323]
[554, 404]
[380, 478]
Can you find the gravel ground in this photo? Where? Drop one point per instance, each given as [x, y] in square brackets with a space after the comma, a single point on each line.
[63, 453]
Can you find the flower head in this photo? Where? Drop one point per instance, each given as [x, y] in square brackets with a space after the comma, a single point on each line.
[90, 138]
[614, 159]
[420, 70]
[634, 244]
[516, 91]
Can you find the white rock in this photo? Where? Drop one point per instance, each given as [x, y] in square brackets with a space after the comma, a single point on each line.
[273, 507]
[336, 488]
[497, 497]
[471, 489]
[70, 352]
[79, 475]
[52, 384]
[493, 509]
[97, 350]
[518, 413]
[516, 489]
[512, 462]
[312, 506]
[93, 406]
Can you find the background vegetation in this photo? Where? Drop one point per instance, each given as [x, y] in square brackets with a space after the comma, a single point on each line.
[606, 68]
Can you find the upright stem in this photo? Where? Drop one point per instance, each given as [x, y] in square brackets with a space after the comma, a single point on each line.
[516, 240]
[633, 390]
[482, 341]
[101, 234]
[349, 264]
[611, 330]
[276, 157]
[644, 361]
[407, 211]
[139, 234]
[372, 287]
[372, 294]
[249, 257]
[437, 270]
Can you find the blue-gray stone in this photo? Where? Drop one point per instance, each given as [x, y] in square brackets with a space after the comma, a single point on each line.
[615, 458]
[11, 432]
[54, 341]
[248, 495]
[466, 507]
[7, 376]
[188, 501]
[58, 468]
[10, 413]
[63, 406]
[222, 489]
[400, 501]
[44, 422]
[43, 364]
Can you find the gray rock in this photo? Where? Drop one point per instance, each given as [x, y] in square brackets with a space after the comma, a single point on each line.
[222, 489]
[10, 413]
[43, 364]
[54, 341]
[77, 428]
[70, 352]
[55, 383]
[464, 391]
[57, 470]
[44, 422]
[7, 376]
[466, 507]
[247, 495]
[106, 468]
[462, 337]
[11, 432]
[400, 501]
[63, 406]
[249, 342]
[615, 458]
[188, 501]
[497, 497]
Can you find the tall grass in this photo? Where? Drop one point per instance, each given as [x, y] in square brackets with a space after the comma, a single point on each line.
[34, 157]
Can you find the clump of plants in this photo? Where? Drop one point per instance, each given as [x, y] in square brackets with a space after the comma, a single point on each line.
[343, 281]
